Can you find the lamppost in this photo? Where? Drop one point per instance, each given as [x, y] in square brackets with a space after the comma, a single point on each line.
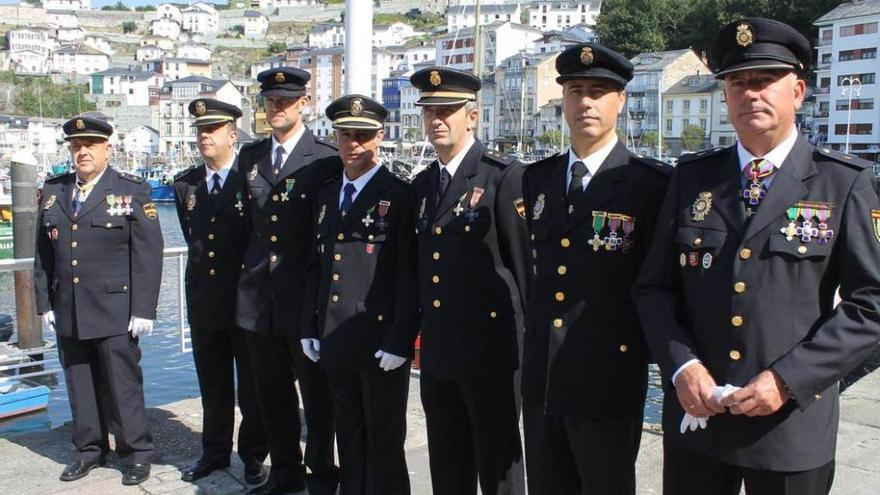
[846, 85]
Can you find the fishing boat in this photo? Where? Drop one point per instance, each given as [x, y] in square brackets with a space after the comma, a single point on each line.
[5, 224]
[20, 396]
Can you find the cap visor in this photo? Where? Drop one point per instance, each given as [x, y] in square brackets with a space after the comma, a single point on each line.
[596, 73]
[357, 123]
[283, 92]
[210, 121]
[441, 101]
[755, 65]
[87, 135]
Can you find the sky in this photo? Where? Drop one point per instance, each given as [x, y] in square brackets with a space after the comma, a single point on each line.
[97, 4]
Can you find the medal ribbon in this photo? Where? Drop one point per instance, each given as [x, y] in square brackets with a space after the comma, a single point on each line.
[599, 221]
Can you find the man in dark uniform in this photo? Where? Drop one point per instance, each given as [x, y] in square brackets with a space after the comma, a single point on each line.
[591, 214]
[97, 271]
[210, 207]
[280, 175]
[472, 271]
[361, 310]
[738, 287]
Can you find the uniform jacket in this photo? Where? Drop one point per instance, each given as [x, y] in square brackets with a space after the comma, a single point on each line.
[100, 268]
[472, 266]
[214, 229]
[743, 298]
[582, 330]
[270, 289]
[361, 292]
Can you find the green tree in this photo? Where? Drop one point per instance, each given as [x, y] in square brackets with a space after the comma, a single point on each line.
[636, 26]
[649, 139]
[117, 6]
[237, 30]
[129, 27]
[146, 8]
[276, 47]
[54, 100]
[692, 137]
[553, 138]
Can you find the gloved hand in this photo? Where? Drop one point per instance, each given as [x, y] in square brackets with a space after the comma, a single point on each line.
[388, 361]
[311, 348]
[140, 326]
[49, 320]
[689, 422]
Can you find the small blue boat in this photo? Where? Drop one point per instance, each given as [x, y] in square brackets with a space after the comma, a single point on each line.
[18, 396]
[161, 182]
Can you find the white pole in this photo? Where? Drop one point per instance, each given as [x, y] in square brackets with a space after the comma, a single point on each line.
[359, 47]
[660, 115]
[850, 81]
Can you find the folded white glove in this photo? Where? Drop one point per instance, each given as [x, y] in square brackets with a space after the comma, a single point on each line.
[49, 320]
[388, 361]
[311, 348]
[140, 326]
[690, 422]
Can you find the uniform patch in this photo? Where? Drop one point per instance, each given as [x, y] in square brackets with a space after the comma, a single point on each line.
[150, 210]
[875, 220]
[702, 206]
[539, 207]
[520, 206]
[49, 202]
[191, 202]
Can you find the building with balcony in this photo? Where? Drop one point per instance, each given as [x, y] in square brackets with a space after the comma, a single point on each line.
[460, 17]
[501, 40]
[560, 15]
[523, 84]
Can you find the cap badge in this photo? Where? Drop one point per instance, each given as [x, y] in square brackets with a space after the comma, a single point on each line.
[587, 55]
[435, 78]
[279, 77]
[201, 109]
[357, 107]
[744, 35]
[80, 124]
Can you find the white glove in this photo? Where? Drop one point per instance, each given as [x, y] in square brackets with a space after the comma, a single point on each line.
[49, 320]
[140, 326]
[690, 422]
[311, 348]
[388, 361]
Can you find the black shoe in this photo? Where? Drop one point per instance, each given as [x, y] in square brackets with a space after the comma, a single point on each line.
[135, 474]
[273, 487]
[255, 473]
[202, 468]
[79, 469]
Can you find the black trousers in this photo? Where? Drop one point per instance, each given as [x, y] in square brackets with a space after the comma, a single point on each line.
[369, 406]
[690, 473]
[277, 363]
[473, 433]
[105, 388]
[568, 456]
[220, 356]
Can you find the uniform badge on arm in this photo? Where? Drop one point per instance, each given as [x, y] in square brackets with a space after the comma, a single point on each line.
[875, 220]
[520, 206]
[150, 210]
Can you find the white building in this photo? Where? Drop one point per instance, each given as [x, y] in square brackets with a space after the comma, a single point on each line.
[149, 52]
[159, 41]
[559, 15]
[35, 39]
[79, 59]
[556, 41]
[98, 42]
[410, 114]
[256, 25]
[501, 40]
[62, 18]
[327, 35]
[523, 84]
[690, 102]
[201, 18]
[67, 4]
[39, 136]
[268, 4]
[138, 87]
[393, 34]
[847, 52]
[406, 58]
[30, 62]
[266, 64]
[142, 141]
[194, 51]
[179, 68]
[465, 16]
[169, 11]
[68, 35]
[176, 134]
[166, 28]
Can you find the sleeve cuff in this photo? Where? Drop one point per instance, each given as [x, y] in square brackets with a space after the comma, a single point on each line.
[682, 367]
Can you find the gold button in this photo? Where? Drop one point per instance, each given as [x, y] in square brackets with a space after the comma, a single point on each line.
[467, 228]
[739, 287]
[802, 250]
[210, 254]
[213, 219]
[74, 227]
[274, 197]
[274, 238]
[76, 280]
[735, 355]
[340, 237]
[212, 272]
[335, 277]
[623, 348]
[564, 242]
[74, 244]
[557, 323]
[561, 270]
[334, 298]
[736, 321]
[109, 225]
[274, 218]
[380, 317]
[533, 237]
[210, 237]
[74, 262]
[436, 255]
[560, 296]
[370, 237]
[438, 230]
[124, 287]
[337, 257]
[698, 241]
[436, 303]
[745, 253]
[435, 279]
[493, 314]
[274, 258]
[817, 396]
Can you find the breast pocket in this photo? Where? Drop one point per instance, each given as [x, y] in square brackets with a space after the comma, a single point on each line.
[109, 223]
[700, 239]
[795, 250]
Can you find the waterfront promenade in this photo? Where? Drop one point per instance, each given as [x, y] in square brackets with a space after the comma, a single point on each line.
[31, 462]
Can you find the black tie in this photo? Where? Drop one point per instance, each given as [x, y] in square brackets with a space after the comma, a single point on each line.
[279, 160]
[215, 189]
[578, 171]
[445, 179]
[77, 204]
[348, 198]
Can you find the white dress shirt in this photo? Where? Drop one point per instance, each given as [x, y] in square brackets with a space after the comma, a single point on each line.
[223, 173]
[359, 184]
[87, 187]
[593, 162]
[287, 146]
[456, 160]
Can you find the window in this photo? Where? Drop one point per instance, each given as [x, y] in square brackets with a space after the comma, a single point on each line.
[704, 105]
[686, 104]
[703, 124]
[858, 29]
[857, 104]
[863, 78]
[840, 129]
[668, 106]
[668, 125]
[860, 54]
[685, 123]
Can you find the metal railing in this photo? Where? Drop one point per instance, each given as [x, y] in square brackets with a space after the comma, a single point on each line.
[179, 253]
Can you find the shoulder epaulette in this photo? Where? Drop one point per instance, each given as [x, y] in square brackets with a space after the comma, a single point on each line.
[700, 155]
[185, 172]
[500, 158]
[54, 178]
[544, 161]
[253, 144]
[653, 164]
[326, 142]
[398, 175]
[132, 178]
[844, 158]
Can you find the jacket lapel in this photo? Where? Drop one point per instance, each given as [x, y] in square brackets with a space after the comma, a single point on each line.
[300, 156]
[227, 192]
[366, 198]
[787, 187]
[65, 197]
[603, 187]
[461, 182]
[265, 163]
[554, 196]
[727, 191]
